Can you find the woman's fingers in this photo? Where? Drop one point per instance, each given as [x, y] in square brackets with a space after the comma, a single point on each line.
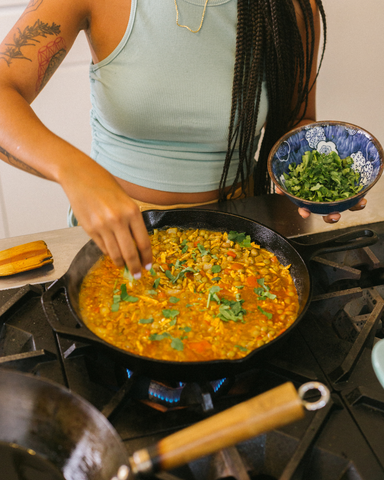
[360, 206]
[304, 213]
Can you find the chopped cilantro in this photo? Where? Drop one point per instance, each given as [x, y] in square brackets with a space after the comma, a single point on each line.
[242, 349]
[212, 294]
[169, 313]
[322, 177]
[174, 299]
[216, 269]
[231, 310]
[146, 320]
[177, 344]
[241, 238]
[267, 314]
[202, 249]
[115, 307]
[125, 297]
[263, 291]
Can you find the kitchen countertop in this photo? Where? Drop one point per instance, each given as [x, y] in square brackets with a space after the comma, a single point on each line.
[274, 211]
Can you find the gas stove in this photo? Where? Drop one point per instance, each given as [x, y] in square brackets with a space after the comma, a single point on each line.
[332, 344]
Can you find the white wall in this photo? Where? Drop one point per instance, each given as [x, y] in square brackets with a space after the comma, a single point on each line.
[29, 204]
[351, 81]
[350, 88]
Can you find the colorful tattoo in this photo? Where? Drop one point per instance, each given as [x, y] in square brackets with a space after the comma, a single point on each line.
[19, 164]
[27, 38]
[32, 6]
[49, 58]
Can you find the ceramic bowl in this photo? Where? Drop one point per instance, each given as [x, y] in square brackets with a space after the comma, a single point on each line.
[343, 138]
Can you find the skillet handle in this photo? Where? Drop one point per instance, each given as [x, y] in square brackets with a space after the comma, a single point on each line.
[59, 325]
[347, 241]
[275, 408]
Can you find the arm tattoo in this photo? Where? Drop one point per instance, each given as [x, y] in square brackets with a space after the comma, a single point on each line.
[32, 6]
[49, 57]
[19, 164]
[27, 38]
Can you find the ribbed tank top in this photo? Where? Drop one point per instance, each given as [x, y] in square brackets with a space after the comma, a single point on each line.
[161, 100]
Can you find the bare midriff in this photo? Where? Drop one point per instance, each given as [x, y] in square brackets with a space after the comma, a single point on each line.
[160, 197]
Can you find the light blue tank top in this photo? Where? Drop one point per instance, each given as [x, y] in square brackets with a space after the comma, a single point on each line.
[161, 101]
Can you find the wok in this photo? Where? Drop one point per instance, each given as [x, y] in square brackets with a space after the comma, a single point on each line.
[288, 252]
[67, 431]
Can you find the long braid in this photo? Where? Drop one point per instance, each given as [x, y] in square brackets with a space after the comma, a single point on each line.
[268, 45]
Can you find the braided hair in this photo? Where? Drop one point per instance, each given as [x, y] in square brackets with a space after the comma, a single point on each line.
[269, 47]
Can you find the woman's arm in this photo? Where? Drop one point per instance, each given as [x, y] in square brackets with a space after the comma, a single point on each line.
[29, 55]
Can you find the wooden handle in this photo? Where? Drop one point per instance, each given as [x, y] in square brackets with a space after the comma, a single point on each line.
[275, 408]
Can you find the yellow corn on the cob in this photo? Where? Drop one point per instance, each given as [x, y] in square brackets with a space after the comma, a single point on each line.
[24, 257]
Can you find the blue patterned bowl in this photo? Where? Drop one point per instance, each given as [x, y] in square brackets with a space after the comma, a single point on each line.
[343, 138]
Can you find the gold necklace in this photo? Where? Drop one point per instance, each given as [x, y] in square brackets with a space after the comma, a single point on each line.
[185, 26]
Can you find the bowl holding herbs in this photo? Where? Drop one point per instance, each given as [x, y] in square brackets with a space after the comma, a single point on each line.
[326, 167]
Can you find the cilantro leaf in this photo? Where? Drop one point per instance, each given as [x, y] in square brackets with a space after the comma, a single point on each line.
[146, 320]
[202, 249]
[169, 313]
[177, 344]
[267, 314]
[216, 269]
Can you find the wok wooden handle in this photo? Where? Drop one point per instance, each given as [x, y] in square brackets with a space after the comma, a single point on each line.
[275, 408]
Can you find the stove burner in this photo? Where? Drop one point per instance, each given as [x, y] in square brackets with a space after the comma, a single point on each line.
[172, 395]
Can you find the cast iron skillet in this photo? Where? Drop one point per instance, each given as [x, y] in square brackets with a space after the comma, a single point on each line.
[287, 252]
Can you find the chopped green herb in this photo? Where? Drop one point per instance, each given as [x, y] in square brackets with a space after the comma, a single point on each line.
[216, 269]
[152, 292]
[146, 320]
[212, 295]
[169, 275]
[241, 238]
[263, 291]
[115, 307]
[156, 283]
[177, 344]
[169, 313]
[242, 349]
[174, 299]
[125, 297]
[268, 315]
[202, 249]
[322, 177]
[159, 336]
[186, 329]
[152, 272]
[231, 310]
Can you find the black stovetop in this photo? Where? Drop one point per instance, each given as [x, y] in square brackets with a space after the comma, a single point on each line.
[331, 344]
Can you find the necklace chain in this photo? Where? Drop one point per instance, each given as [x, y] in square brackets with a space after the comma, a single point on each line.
[185, 26]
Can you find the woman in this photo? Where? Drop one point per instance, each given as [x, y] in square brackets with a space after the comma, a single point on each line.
[167, 77]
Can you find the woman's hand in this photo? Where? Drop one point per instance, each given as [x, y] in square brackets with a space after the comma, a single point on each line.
[332, 217]
[110, 217]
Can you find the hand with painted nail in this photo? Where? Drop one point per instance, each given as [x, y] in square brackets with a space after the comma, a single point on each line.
[110, 217]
